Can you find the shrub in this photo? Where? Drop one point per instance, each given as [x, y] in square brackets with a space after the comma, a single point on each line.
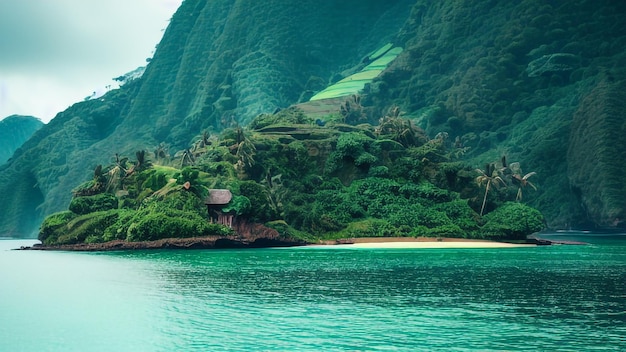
[260, 202]
[239, 204]
[379, 171]
[415, 215]
[426, 193]
[153, 179]
[448, 230]
[364, 228]
[358, 147]
[149, 226]
[285, 230]
[49, 230]
[85, 226]
[118, 229]
[90, 204]
[287, 116]
[512, 221]
[185, 201]
[374, 188]
[460, 213]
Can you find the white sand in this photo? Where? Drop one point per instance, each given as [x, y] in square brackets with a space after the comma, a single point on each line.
[434, 244]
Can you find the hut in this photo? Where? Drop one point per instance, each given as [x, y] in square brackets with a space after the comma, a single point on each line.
[215, 202]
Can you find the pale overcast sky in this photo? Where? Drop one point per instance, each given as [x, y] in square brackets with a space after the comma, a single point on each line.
[54, 53]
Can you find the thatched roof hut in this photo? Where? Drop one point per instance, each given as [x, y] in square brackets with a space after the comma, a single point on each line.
[218, 197]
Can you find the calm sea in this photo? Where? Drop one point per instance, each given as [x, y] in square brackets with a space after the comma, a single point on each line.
[553, 298]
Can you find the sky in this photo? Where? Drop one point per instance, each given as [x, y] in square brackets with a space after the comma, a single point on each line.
[54, 53]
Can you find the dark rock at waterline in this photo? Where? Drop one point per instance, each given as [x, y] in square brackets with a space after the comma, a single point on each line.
[173, 243]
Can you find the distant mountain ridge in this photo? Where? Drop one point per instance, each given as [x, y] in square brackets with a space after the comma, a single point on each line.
[537, 82]
[14, 131]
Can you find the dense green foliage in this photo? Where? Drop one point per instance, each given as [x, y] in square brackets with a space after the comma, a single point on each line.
[512, 221]
[177, 214]
[542, 83]
[90, 204]
[279, 182]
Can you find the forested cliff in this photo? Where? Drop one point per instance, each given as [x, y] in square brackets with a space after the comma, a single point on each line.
[539, 82]
[14, 131]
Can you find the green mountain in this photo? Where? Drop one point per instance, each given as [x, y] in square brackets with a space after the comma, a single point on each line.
[14, 131]
[540, 83]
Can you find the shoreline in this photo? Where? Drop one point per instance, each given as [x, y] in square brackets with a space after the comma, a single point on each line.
[209, 242]
[214, 242]
[424, 242]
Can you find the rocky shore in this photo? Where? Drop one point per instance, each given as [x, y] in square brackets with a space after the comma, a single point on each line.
[172, 243]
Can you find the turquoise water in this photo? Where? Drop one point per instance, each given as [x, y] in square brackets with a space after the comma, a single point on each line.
[554, 298]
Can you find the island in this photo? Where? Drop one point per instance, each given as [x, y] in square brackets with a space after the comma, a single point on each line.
[287, 179]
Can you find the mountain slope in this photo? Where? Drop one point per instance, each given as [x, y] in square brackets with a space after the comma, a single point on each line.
[220, 63]
[14, 131]
[506, 78]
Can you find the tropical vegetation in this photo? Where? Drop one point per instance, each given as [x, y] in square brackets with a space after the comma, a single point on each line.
[305, 180]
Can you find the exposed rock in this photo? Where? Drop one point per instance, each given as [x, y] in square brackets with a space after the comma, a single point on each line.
[171, 243]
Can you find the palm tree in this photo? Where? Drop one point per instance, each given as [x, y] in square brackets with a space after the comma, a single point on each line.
[141, 164]
[161, 153]
[116, 173]
[186, 157]
[99, 179]
[199, 147]
[245, 152]
[519, 180]
[522, 182]
[488, 177]
[95, 186]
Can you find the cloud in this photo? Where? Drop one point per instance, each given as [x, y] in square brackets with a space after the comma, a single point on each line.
[62, 50]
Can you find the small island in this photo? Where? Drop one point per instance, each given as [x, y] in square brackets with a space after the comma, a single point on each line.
[309, 174]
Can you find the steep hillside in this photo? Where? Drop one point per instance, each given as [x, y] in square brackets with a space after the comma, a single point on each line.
[537, 82]
[39, 178]
[219, 64]
[507, 79]
[14, 131]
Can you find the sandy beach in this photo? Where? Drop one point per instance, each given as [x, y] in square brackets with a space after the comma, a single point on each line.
[422, 242]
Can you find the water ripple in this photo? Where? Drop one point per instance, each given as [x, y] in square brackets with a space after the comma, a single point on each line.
[558, 298]
[385, 300]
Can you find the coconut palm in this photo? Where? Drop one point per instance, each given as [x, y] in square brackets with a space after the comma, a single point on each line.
[141, 158]
[199, 147]
[522, 182]
[186, 157]
[161, 153]
[98, 175]
[94, 186]
[245, 153]
[488, 177]
[141, 164]
[116, 173]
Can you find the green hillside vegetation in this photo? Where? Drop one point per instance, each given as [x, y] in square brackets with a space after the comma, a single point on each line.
[14, 131]
[543, 84]
[307, 181]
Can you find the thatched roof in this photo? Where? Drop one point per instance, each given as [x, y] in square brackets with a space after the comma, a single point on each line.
[218, 197]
